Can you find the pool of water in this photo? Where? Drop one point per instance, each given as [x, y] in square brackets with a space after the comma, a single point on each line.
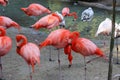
[13, 11]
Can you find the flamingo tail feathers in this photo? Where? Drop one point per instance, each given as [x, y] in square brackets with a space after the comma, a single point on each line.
[101, 54]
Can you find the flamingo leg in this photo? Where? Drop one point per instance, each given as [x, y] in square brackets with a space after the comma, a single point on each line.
[50, 50]
[1, 74]
[50, 59]
[50, 55]
[85, 67]
[96, 58]
[30, 73]
[92, 59]
[104, 42]
[117, 51]
[59, 64]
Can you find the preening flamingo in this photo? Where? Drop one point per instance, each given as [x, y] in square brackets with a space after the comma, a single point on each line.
[59, 39]
[66, 12]
[28, 51]
[105, 28]
[3, 2]
[5, 46]
[35, 9]
[49, 21]
[6, 22]
[85, 47]
[87, 14]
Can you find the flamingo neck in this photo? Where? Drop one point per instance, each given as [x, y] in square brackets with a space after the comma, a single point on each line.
[74, 14]
[56, 15]
[2, 32]
[21, 43]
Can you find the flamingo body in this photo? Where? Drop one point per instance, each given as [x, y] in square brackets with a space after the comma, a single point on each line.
[86, 47]
[105, 27]
[5, 43]
[58, 38]
[49, 21]
[7, 22]
[35, 9]
[31, 53]
[3, 2]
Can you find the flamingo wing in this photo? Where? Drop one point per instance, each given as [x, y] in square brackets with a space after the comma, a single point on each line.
[84, 46]
[5, 45]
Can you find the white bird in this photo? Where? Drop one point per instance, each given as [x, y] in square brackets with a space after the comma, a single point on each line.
[87, 14]
[105, 28]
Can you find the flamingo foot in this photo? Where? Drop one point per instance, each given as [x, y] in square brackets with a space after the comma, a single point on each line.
[30, 76]
[117, 62]
[1, 74]
[51, 60]
[69, 66]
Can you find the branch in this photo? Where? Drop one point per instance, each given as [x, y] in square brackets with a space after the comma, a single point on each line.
[98, 5]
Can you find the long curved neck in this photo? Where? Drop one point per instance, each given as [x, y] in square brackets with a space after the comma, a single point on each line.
[74, 14]
[23, 42]
[2, 32]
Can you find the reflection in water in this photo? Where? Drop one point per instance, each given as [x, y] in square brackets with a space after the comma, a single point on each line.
[13, 11]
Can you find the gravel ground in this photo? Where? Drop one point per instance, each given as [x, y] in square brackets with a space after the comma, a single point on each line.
[15, 68]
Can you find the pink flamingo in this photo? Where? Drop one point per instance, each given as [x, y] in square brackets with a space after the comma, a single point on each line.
[6, 22]
[28, 51]
[5, 46]
[59, 39]
[49, 21]
[66, 12]
[35, 9]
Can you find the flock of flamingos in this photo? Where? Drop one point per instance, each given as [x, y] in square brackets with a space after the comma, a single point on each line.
[60, 38]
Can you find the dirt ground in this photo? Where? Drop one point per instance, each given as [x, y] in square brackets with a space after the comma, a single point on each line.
[15, 68]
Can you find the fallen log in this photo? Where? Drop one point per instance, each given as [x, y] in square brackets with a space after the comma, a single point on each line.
[98, 5]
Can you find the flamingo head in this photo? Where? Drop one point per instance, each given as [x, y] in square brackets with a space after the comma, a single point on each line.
[2, 31]
[35, 26]
[74, 35]
[21, 40]
[15, 25]
[26, 11]
[65, 11]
